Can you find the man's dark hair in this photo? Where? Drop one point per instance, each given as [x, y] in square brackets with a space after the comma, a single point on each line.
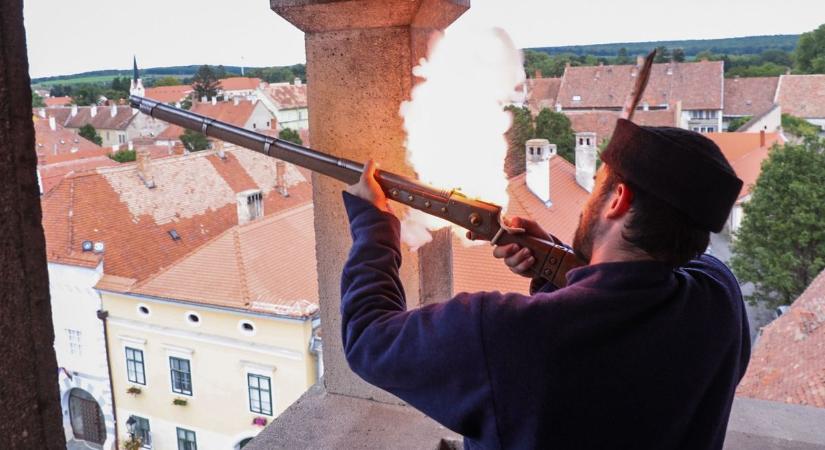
[657, 228]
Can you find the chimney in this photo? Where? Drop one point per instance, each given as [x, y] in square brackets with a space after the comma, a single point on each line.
[219, 147]
[130, 146]
[236, 100]
[640, 61]
[586, 159]
[537, 74]
[113, 110]
[537, 162]
[144, 168]
[115, 148]
[93, 110]
[677, 114]
[298, 81]
[215, 100]
[52, 123]
[42, 112]
[762, 139]
[204, 99]
[280, 178]
[177, 104]
[74, 110]
[250, 205]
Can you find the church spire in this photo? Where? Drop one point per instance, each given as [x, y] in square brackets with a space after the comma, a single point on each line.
[136, 86]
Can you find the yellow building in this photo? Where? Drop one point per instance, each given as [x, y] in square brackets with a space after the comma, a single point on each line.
[212, 348]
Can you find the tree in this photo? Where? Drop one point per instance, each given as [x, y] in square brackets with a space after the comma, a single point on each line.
[88, 131]
[37, 100]
[737, 122]
[124, 155]
[678, 55]
[662, 54]
[520, 132]
[288, 134]
[780, 246]
[205, 82]
[59, 90]
[194, 141]
[555, 127]
[799, 127]
[622, 58]
[86, 94]
[810, 51]
[167, 81]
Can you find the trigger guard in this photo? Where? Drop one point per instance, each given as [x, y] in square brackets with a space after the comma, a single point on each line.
[503, 228]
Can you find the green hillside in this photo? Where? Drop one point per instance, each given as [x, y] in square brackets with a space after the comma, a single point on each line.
[750, 45]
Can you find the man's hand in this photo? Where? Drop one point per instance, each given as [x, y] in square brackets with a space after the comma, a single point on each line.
[368, 188]
[516, 257]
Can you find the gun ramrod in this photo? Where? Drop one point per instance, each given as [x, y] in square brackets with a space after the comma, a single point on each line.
[483, 219]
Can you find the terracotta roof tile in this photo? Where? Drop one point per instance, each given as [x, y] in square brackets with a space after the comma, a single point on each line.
[287, 96]
[787, 364]
[102, 120]
[62, 144]
[268, 265]
[57, 101]
[168, 94]
[542, 93]
[698, 85]
[52, 174]
[191, 196]
[749, 96]
[745, 154]
[239, 83]
[224, 111]
[802, 95]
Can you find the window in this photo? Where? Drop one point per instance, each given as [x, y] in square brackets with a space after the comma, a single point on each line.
[260, 394]
[74, 341]
[186, 440]
[181, 375]
[134, 366]
[141, 430]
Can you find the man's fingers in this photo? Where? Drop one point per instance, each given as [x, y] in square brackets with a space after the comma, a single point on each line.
[522, 267]
[369, 171]
[505, 251]
[517, 258]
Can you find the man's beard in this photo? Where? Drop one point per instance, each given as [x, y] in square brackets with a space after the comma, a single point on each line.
[589, 227]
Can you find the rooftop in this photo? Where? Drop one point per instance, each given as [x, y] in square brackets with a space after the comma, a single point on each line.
[194, 194]
[787, 364]
[236, 269]
[61, 144]
[802, 95]
[227, 111]
[698, 85]
[604, 122]
[287, 96]
[749, 96]
[169, 94]
[239, 83]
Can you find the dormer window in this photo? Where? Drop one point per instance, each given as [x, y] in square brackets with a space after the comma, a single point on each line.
[250, 205]
[577, 98]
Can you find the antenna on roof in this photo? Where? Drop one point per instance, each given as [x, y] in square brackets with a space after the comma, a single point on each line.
[639, 88]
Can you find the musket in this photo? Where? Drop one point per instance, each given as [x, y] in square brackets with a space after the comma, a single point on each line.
[483, 219]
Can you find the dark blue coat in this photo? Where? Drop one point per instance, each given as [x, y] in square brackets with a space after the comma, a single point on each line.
[629, 355]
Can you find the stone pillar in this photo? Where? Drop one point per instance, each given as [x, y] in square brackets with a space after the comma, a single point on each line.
[30, 415]
[359, 59]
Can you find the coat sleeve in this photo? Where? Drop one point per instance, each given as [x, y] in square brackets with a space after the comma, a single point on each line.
[431, 357]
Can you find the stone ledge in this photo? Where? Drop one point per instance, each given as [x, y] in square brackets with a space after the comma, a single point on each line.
[320, 420]
[774, 426]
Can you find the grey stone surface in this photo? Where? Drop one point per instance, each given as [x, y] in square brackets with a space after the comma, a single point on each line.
[359, 59]
[761, 424]
[320, 420]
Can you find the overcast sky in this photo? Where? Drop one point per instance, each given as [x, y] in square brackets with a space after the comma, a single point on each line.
[73, 36]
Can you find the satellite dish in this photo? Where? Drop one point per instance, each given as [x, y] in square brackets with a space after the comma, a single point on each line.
[87, 246]
[99, 247]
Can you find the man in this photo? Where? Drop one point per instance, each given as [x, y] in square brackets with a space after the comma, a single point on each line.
[642, 349]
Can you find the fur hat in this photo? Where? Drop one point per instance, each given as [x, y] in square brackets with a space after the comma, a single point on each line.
[681, 167]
